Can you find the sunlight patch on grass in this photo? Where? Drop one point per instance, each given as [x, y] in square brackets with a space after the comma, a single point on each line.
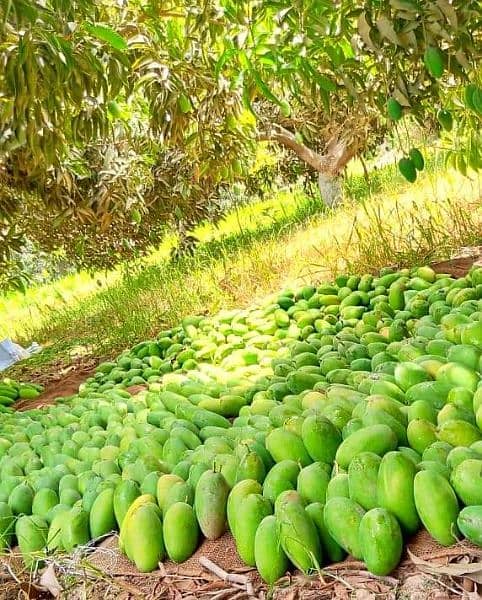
[283, 244]
[21, 315]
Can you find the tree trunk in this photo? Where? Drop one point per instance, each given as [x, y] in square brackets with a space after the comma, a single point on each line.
[330, 189]
[328, 165]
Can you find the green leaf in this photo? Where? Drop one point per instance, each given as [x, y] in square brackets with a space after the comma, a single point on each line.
[244, 60]
[325, 98]
[108, 35]
[326, 83]
[223, 59]
[268, 59]
[247, 100]
[336, 54]
[263, 88]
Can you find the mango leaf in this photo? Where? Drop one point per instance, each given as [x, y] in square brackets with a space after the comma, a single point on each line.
[223, 59]
[263, 88]
[108, 35]
[449, 12]
[400, 96]
[406, 5]
[325, 98]
[325, 83]
[471, 571]
[462, 59]
[364, 30]
[336, 55]
[387, 31]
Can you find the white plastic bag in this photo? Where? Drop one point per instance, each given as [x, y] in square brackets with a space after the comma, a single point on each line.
[10, 353]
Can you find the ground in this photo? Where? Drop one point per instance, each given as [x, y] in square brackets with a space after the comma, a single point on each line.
[66, 381]
[61, 384]
[102, 573]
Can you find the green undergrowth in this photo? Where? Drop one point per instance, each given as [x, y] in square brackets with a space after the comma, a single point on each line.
[151, 296]
[23, 315]
[255, 250]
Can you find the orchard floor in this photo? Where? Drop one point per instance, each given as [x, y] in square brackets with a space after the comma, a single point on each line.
[101, 572]
[60, 385]
[427, 571]
[66, 381]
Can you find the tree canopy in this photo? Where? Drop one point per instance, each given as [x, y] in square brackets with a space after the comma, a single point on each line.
[112, 111]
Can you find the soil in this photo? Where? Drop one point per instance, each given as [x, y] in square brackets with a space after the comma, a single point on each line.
[65, 383]
[459, 266]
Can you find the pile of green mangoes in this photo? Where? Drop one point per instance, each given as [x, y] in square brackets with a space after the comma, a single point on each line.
[11, 390]
[329, 420]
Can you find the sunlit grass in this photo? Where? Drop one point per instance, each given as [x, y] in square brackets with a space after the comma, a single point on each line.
[426, 221]
[21, 315]
[285, 240]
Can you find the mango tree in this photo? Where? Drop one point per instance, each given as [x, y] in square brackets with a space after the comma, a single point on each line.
[116, 118]
[339, 74]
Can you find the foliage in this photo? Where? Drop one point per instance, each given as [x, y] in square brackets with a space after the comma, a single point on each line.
[59, 72]
[119, 118]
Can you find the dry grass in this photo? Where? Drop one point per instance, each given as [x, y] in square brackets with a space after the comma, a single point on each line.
[401, 225]
[430, 221]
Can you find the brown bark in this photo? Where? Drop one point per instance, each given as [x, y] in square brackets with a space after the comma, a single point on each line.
[336, 157]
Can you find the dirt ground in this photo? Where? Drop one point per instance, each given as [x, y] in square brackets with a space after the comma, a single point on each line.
[65, 384]
[459, 266]
[427, 571]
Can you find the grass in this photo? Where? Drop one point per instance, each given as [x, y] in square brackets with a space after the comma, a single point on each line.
[428, 222]
[283, 241]
[23, 315]
[150, 296]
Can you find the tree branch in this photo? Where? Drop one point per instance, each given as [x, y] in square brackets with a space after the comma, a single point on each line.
[286, 138]
[337, 155]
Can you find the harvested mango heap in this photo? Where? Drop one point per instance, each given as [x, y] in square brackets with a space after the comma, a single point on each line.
[330, 420]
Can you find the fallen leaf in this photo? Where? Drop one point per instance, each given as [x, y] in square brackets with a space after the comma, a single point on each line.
[471, 571]
[49, 581]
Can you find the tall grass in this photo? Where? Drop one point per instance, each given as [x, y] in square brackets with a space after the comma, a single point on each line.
[265, 247]
[422, 223]
[22, 316]
[429, 231]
